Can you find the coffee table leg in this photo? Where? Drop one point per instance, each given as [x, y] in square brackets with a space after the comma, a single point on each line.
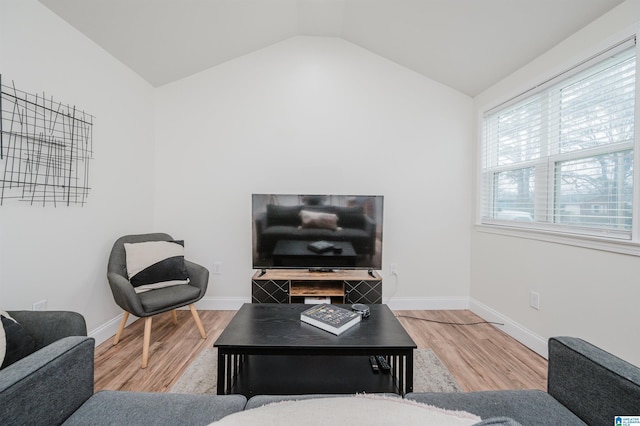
[221, 390]
[231, 371]
[409, 371]
[393, 360]
[397, 371]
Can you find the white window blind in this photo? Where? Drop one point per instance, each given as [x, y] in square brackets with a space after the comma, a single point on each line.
[560, 157]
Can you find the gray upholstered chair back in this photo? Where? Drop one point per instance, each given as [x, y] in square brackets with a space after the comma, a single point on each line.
[118, 258]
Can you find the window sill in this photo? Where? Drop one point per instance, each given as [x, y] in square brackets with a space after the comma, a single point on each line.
[585, 241]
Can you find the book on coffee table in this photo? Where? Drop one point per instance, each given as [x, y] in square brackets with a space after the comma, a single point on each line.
[330, 318]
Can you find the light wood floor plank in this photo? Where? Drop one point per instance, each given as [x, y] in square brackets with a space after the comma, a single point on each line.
[481, 357]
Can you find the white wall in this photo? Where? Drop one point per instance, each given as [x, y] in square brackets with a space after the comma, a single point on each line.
[60, 254]
[312, 115]
[585, 293]
[318, 115]
[308, 115]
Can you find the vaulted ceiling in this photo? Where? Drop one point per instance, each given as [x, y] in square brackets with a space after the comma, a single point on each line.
[466, 44]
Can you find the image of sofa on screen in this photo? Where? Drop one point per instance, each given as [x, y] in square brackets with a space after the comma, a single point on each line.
[319, 218]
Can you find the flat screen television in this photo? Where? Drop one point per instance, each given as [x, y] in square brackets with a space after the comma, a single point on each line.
[318, 232]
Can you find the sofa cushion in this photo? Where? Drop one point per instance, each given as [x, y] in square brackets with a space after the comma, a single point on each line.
[47, 327]
[350, 217]
[283, 215]
[528, 407]
[310, 219]
[147, 408]
[155, 264]
[359, 409]
[15, 342]
[159, 299]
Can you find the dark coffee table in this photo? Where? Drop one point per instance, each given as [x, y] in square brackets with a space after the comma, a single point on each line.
[296, 253]
[266, 349]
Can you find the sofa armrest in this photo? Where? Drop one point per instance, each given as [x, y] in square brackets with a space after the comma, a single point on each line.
[48, 326]
[47, 386]
[594, 384]
[369, 225]
[261, 225]
[370, 229]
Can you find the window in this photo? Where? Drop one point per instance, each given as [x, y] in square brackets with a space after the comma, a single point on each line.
[559, 158]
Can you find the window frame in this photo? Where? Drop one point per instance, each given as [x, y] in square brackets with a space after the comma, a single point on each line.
[627, 242]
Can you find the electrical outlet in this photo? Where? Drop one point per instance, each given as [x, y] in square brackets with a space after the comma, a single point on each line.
[217, 268]
[534, 300]
[394, 268]
[40, 306]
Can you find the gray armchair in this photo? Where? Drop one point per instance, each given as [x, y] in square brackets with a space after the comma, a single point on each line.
[147, 304]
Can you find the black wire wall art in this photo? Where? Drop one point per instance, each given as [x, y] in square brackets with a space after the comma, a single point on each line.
[45, 149]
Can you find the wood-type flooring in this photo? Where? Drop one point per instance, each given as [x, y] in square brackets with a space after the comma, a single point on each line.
[481, 357]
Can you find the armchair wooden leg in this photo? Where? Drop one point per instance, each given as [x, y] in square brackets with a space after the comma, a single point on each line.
[174, 316]
[196, 317]
[147, 339]
[125, 317]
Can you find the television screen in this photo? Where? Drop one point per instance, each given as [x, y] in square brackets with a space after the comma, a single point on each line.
[317, 231]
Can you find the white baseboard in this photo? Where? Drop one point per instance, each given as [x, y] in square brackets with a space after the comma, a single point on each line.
[512, 328]
[528, 338]
[109, 329]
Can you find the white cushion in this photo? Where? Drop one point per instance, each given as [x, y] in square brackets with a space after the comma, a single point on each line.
[311, 219]
[3, 339]
[367, 410]
[155, 264]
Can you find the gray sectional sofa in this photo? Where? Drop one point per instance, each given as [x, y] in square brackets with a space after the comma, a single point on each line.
[54, 385]
[586, 385]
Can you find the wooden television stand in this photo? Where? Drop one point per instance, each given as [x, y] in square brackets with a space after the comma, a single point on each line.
[294, 285]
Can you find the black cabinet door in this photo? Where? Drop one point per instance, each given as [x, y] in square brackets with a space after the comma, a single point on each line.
[363, 291]
[270, 291]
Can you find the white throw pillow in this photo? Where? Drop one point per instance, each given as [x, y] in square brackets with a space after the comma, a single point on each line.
[155, 264]
[311, 219]
[367, 410]
[3, 338]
